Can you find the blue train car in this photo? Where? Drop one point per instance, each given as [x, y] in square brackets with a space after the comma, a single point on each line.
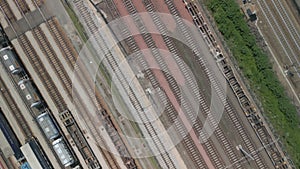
[25, 166]
[10, 136]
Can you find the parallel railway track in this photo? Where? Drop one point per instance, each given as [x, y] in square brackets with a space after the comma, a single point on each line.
[22, 6]
[61, 40]
[218, 132]
[283, 29]
[70, 54]
[250, 112]
[197, 125]
[41, 71]
[48, 51]
[52, 89]
[38, 3]
[260, 129]
[285, 18]
[5, 9]
[170, 110]
[97, 100]
[34, 112]
[50, 86]
[66, 81]
[216, 84]
[133, 46]
[93, 28]
[228, 107]
[114, 66]
[210, 149]
[67, 84]
[151, 45]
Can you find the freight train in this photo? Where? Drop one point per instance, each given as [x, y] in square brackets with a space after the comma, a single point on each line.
[33, 98]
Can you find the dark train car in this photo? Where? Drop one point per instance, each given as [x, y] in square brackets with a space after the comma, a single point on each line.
[10, 136]
[3, 38]
[9, 60]
[33, 98]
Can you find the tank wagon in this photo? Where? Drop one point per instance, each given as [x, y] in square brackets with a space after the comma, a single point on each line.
[10, 61]
[32, 96]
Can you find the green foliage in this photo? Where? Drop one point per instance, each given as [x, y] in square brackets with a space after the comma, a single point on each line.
[257, 68]
[76, 23]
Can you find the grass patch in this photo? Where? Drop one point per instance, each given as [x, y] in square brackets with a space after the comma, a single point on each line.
[154, 162]
[76, 23]
[256, 66]
[105, 74]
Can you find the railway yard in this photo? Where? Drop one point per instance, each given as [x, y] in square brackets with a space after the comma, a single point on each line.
[152, 87]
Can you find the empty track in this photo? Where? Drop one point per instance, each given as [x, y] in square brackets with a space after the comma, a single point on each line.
[130, 163]
[22, 6]
[5, 9]
[283, 29]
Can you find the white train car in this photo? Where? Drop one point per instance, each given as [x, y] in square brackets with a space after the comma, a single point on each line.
[48, 126]
[63, 152]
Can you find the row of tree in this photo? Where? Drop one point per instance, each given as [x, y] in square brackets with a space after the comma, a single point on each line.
[256, 66]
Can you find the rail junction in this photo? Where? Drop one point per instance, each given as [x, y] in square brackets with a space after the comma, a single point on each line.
[40, 62]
